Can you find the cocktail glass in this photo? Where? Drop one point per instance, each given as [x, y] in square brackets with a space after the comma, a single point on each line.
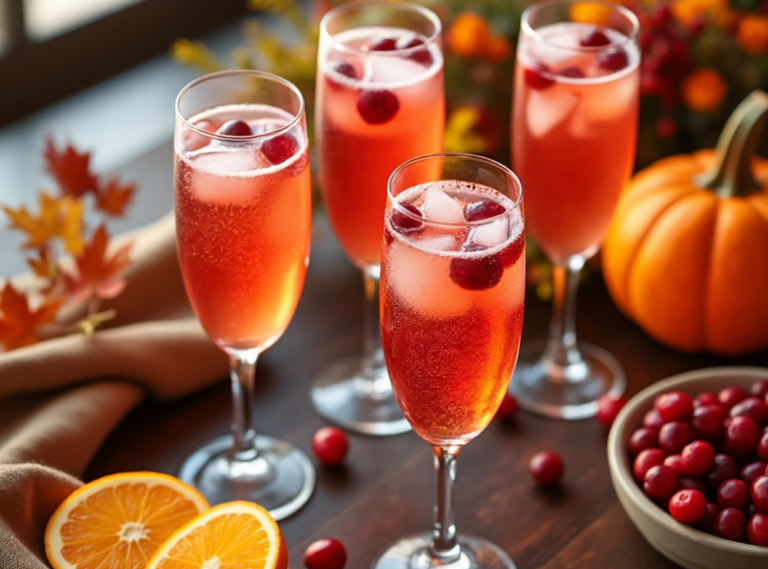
[574, 130]
[243, 222]
[380, 102]
[453, 286]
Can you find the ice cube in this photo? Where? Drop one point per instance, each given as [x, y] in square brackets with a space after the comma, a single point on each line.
[441, 242]
[225, 176]
[547, 108]
[490, 234]
[392, 70]
[439, 207]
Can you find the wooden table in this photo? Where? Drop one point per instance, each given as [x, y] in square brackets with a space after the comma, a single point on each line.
[386, 488]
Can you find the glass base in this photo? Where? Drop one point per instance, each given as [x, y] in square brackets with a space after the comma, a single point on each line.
[344, 397]
[411, 553]
[569, 392]
[280, 477]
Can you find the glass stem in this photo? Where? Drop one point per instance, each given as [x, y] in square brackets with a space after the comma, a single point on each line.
[445, 547]
[561, 350]
[242, 370]
[373, 356]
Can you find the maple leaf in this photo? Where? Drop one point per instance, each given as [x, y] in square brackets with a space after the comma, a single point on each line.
[19, 325]
[59, 217]
[70, 169]
[44, 266]
[98, 274]
[113, 198]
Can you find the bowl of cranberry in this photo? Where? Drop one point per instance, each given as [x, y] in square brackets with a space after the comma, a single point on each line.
[689, 462]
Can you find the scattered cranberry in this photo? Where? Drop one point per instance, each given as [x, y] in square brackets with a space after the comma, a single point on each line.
[709, 422]
[645, 460]
[762, 447]
[508, 408]
[757, 529]
[742, 435]
[571, 72]
[377, 107]
[547, 468]
[691, 483]
[752, 407]
[705, 398]
[759, 388]
[674, 406]
[280, 148]
[724, 467]
[752, 471]
[661, 482]
[729, 396]
[613, 59]
[675, 462]
[235, 128]
[421, 56]
[733, 493]
[594, 38]
[535, 77]
[403, 222]
[643, 438]
[760, 494]
[697, 457]
[688, 506]
[486, 209]
[384, 44]
[330, 446]
[730, 523]
[705, 523]
[653, 420]
[608, 406]
[476, 273]
[325, 554]
[673, 436]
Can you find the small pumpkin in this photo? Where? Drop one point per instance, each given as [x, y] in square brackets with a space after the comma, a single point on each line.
[686, 253]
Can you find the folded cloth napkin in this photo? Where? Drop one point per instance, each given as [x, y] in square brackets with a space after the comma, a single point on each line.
[60, 399]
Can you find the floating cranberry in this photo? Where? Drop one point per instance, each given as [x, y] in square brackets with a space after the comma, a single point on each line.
[280, 148]
[643, 438]
[384, 44]
[614, 59]
[325, 554]
[752, 407]
[762, 447]
[403, 222]
[594, 38]
[730, 523]
[509, 255]
[645, 460]
[742, 435]
[330, 446]
[759, 388]
[486, 209]
[729, 396]
[752, 471]
[723, 468]
[733, 493]
[709, 422]
[422, 56]
[757, 529]
[235, 128]
[705, 398]
[673, 436]
[674, 406]
[705, 523]
[536, 76]
[608, 406]
[377, 107]
[653, 420]
[688, 506]
[691, 483]
[661, 482]
[547, 468]
[476, 273]
[697, 457]
[759, 492]
[508, 408]
[571, 72]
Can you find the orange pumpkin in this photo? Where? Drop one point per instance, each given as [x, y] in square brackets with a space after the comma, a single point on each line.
[686, 254]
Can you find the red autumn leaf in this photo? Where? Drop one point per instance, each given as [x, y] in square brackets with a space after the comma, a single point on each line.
[70, 169]
[98, 274]
[113, 198]
[19, 325]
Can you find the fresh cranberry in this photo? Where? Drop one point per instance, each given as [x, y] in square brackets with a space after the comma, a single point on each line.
[752, 407]
[691, 483]
[643, 438]
[760, 493]
[759, 388]
[608, 406]
[751, 510]
[673, 436]
[723, 468]
[280, 148]
[405, 223]
[486, 209]
[661, 482]
[645, 460]
[421, 56]
[594, 38]
[535, 77]
[476, 273]
[571, 72]
[742, 434]
[705, 523]
[675, 462]
[235, 128]
[508, 408]
[547, 468]
[752, 471]
[705, 398]
[653, 420]
[377, 107]
[733, 493]
[762, 447]
[697, 457]
[330, 446]
[345, 69]
[384, 44]
[614, 59]
[730, 523]
[757, 529]
[709, 422]
[325, 554]
[688, 506]
[729, 396]
[674, 406]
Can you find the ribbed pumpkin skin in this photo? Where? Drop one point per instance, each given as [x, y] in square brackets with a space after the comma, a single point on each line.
[690, 267]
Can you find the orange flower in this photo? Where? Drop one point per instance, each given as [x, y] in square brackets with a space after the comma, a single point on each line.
[752, 34]
[497, 49]
[704, 90]
[468, 35]
[590, 14]
[687, 11]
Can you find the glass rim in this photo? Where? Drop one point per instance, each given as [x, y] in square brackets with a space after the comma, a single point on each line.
[250, 72]
[525, 25]
[516, 205]
[406, 6]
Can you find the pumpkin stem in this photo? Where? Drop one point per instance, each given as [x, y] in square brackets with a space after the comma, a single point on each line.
[732, 173]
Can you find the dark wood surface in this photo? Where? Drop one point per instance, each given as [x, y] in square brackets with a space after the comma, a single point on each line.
[386, 488]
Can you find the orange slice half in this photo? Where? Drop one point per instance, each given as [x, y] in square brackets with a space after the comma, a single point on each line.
[235, 535]
[119, 521]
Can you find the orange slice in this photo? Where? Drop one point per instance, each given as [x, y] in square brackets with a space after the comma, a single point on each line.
[235, 535]
[119, 521]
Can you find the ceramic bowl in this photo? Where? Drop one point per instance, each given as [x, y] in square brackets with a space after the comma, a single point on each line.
[686, 546]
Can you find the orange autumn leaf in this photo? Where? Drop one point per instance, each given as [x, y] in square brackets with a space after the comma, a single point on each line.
[19, 325]
[70, 169]
[44, 265]
[113, 198]
[59, 217]
[98, 274]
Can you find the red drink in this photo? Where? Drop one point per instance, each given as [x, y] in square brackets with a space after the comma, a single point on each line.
[574, 132]
[243, 214]
[452, 306]
[376, 109]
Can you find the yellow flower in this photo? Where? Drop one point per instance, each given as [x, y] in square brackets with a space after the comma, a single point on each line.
[717, 11]
[468, 35]
[459, 135]
[752, 34]
[704, 90]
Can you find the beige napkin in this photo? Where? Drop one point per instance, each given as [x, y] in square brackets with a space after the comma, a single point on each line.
[59, 399]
